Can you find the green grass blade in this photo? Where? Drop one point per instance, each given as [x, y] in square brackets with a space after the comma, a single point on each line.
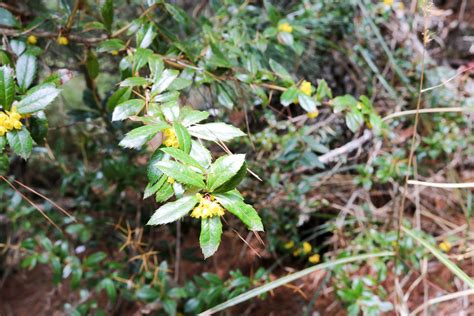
[442, 258]
[290, 278]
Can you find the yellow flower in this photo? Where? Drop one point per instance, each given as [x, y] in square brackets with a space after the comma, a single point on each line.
[445, 246]
[32, 40]
[313, 114]
[289, 245]
[62, 40]
[170, 180]
[3, 130]
[114, 52]
[305, 87]
[170, 139]
[307, 247]
[207, 208]
[285, 27]
[297, 252]
[314, 258]
[388, 2]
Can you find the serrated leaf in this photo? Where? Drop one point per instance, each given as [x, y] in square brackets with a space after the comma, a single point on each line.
[152, 188]
[200, 154]
[233, 182]
[164, 80]
[165, 192]
[183, 157]
[119, 96]
[25, 70]
[215, 131]
[7, 87]
[110, 45]
[190, 117]
[139, 136]
[181, 173]
[38, 100]
[127, 109]
[133, 82]
[246, 213]
[173, 211]
[184, 138]
[153, 173]
[20, 142]
[223, 169]
[210, 237]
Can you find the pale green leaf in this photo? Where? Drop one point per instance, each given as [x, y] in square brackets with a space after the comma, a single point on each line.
[127, 109]
[173, 211]
[215, 131]
[38, 100]
[210, 237]
[223, 169]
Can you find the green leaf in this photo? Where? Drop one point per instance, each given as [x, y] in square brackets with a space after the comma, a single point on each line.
[7, 87]
[223, 169]
[7, 19]
[342, 103]
[25, 70]
[234, 181]
[133, 82]
[95, 259]
[200, 154]
[289, 96]
[210, 237]
[4, 164]
[109, 287]
[139, 136]
[164, 80]
[153, 173]
[3, 142]
[307, 103]
[215, 131]
[38, 100]
[354, 119]
[216, 58]
[280, 71]
[178, 14]
[110, 45]
[92, 65]
[107, 13]
[20, 142]
[173, 211]
[323, 90]
[190, 117]
[156, 65]
[246, 213]
[181, 173]
[184, 139]
[140, 59]
[180, 155]
[119, 96]
[147, 293]
[127, 109]
[152, 188]
[165, 192]
[145, 36]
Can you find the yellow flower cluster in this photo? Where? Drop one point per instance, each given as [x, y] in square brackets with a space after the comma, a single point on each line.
[32, 40]
[169, 138]
[305, 250]
[9, 120]
[285, 27]
[62, 40]
[207, 207]
[388, 2]
[306, 87]
[445, 246]
[314, 258]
